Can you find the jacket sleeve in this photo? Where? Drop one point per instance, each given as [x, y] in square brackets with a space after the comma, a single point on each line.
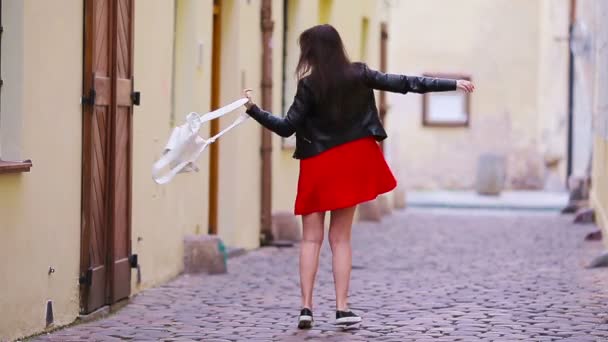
[404, 84]
[286, 126]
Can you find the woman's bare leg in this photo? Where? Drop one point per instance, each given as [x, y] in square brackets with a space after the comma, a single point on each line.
[312, 239]
[339, 240]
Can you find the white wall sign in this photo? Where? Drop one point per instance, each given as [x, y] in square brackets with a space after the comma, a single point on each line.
[450, 109]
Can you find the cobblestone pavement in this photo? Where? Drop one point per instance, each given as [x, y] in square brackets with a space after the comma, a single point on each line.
[421, 275]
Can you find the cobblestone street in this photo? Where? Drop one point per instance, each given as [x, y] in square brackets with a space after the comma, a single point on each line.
[421, 275]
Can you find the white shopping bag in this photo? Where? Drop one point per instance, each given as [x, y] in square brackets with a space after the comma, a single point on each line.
[185, 145]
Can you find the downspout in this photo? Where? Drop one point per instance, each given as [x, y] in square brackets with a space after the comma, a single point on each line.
[383, 57]
[571, 23]
[267, 26]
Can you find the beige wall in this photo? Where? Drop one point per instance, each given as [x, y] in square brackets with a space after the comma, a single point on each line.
[552, 120]
[240, 163]
[301, 14]
[480, 38]
[599, 193]
[174, 80]
[185, 200]
[181, 207]
[160, 214]
[37, 230]
[599, 36]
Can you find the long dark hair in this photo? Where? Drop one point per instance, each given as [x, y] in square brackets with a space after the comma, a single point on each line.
[324, 60]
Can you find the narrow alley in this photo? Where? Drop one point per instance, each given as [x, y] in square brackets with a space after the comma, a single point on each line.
[420, 275]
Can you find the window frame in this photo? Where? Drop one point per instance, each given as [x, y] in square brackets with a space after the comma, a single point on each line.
[8, 166]
[428, 122]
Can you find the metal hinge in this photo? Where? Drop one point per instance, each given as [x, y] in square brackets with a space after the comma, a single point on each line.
[136, 98]
[87, 278]
[90, 99]
[133, 261]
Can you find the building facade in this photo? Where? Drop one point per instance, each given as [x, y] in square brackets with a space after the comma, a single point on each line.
[590, 49]
[600, 151]
[520, 106]
[91, 90]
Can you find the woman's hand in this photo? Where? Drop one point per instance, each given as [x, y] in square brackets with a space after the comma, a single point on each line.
[466, 86]
[247, 94]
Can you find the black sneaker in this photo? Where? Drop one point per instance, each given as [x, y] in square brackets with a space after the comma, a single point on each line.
[347, 319]
[305, 320]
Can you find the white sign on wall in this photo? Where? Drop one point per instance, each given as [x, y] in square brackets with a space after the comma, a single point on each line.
[448, 109]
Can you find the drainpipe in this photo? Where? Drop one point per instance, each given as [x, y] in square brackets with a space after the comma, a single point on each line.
[383, 57]
[572, 21]
[266, 150]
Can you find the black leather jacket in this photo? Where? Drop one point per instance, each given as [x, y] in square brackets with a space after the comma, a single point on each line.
[314, 131]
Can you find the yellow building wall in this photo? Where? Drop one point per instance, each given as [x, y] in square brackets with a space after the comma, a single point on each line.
[172, 84]
[40, 210]
[599, 191]
[301, 14]
[174, 80]
[174, 77]
[504, 61]
[240, 161]
[37, 230]
[599, 182]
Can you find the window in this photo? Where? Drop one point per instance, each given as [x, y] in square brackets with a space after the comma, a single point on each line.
[8, 126]
[446, 109]
[1, 30]
[1, 81]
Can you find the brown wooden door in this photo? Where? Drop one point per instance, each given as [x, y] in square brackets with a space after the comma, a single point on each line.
[106, 164]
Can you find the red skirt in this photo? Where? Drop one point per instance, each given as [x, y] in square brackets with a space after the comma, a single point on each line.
[342, 177]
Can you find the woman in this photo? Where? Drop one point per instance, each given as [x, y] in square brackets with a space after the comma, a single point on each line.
[337, 127]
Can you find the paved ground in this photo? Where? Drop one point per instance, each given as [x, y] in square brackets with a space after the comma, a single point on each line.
[419, 276]
[509, 200]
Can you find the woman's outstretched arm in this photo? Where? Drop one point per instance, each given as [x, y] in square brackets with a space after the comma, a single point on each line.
[286, 126]
[415, 84]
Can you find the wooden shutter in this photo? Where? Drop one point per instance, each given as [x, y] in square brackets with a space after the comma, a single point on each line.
[96, 158]
[120, 173]
[107, 140]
